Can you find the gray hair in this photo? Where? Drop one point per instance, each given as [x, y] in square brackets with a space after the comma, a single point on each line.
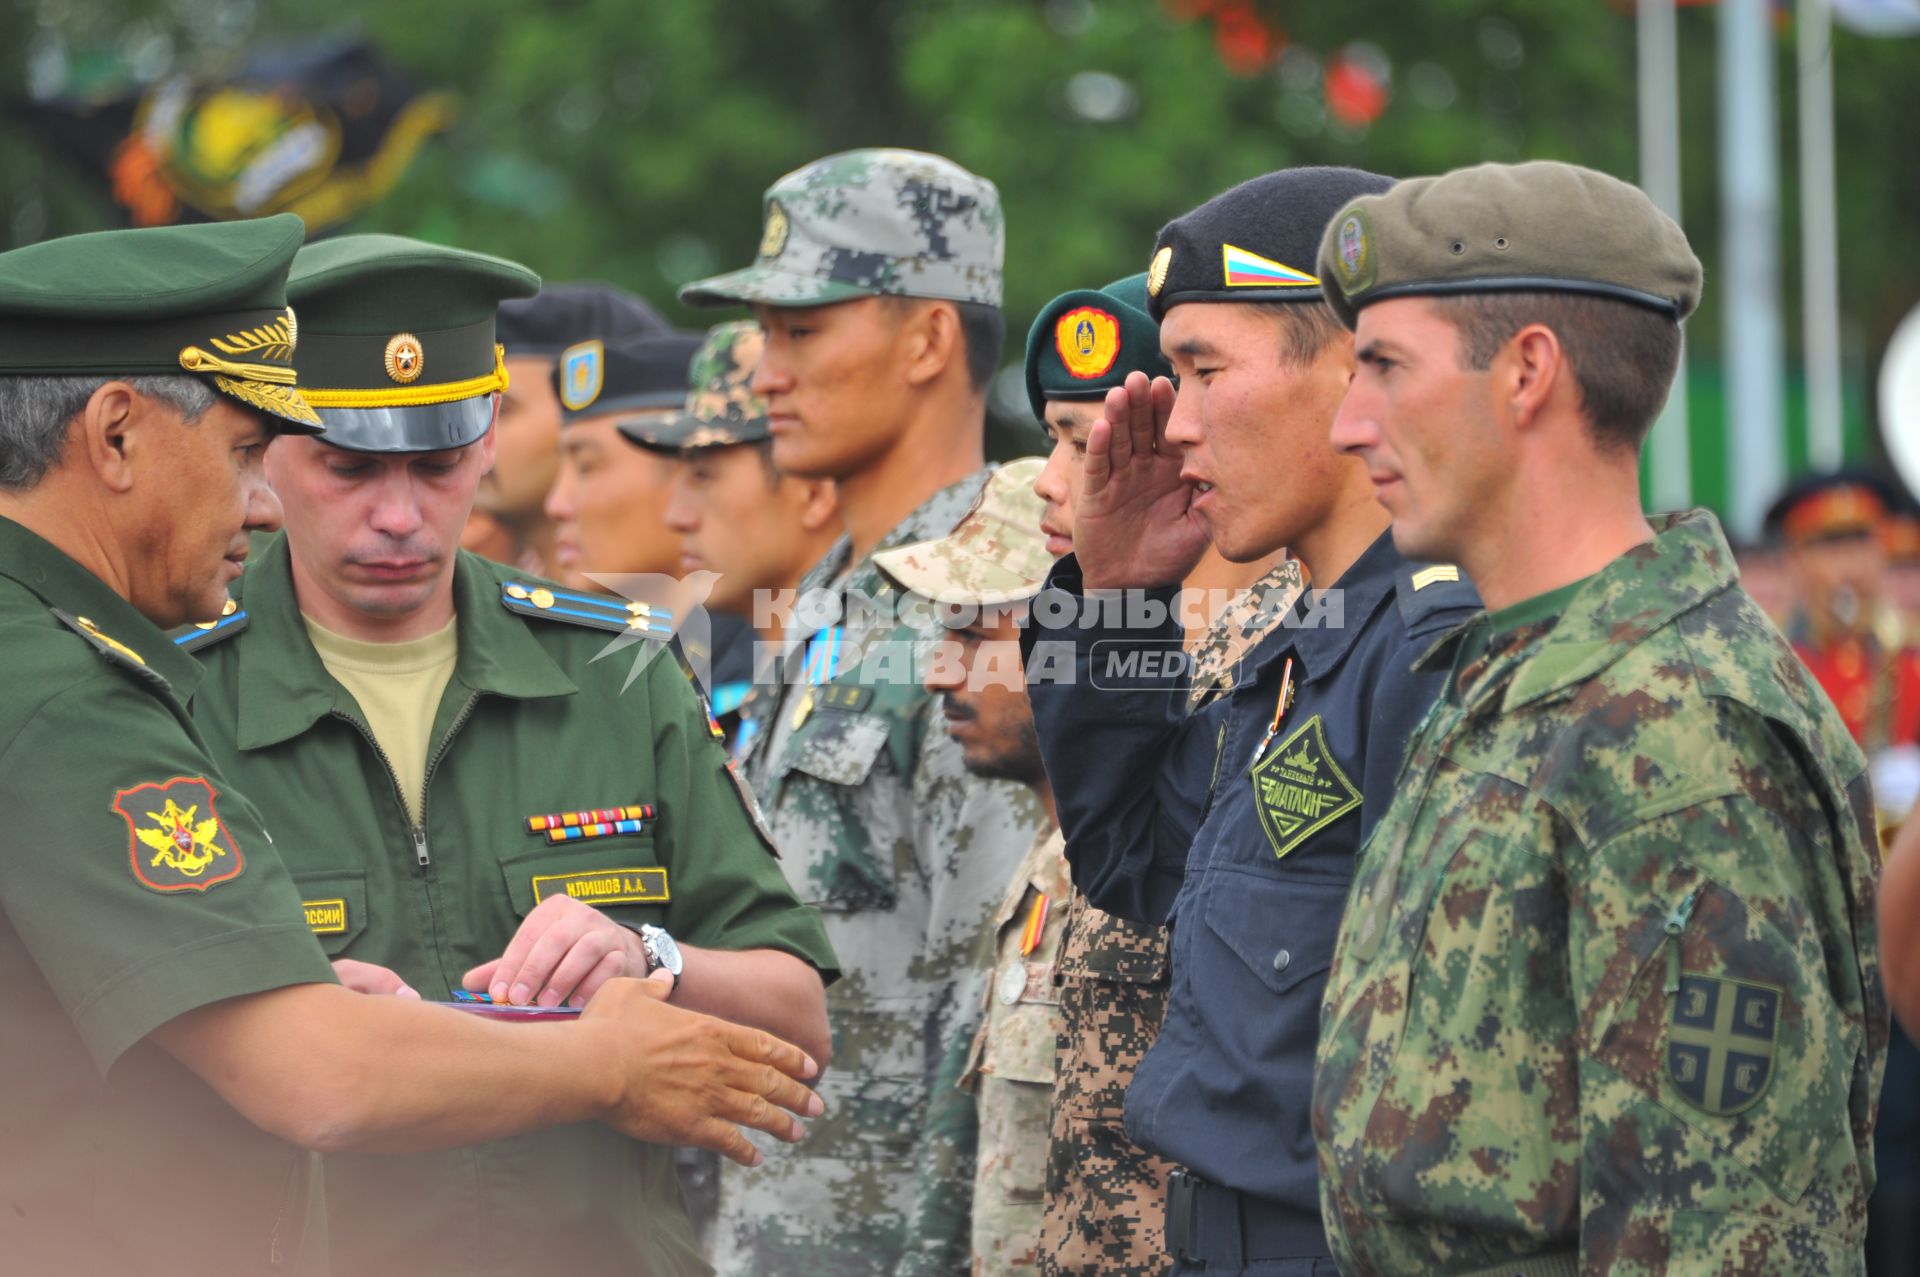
[36, 411]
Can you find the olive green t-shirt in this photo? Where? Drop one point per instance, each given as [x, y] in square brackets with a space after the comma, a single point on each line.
[1541, 607]
[397, 687]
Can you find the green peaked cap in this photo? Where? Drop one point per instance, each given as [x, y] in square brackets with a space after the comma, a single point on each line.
[210, 300]
[1085, 342]
[397, 339]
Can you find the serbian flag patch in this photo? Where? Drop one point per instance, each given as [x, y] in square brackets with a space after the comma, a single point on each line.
[1243, 269]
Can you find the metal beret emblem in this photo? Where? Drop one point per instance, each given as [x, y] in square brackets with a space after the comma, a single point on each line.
[1157, 273]
[404, 358]
[1088, 340]
[774, 238]
[1353, 252]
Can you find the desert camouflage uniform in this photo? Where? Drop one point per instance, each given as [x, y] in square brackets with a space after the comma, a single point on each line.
[1105, 1210]
[880, 826]
[1011, 1066]
[1606, 997]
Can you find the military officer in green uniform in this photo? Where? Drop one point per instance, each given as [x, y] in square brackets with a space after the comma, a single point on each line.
[177, 1043]
[465, 795]
[1606, 997]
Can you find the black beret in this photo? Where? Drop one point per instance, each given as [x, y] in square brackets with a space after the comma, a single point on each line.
[562, 315]
[593, 378]
[1255, 243]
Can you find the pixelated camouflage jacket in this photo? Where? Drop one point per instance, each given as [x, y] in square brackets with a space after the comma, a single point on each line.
[1607, 985]
[881, 827]
[1105, 1211]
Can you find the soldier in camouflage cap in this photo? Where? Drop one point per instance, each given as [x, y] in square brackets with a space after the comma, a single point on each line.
[878, 288]
[1606, 996]
[735, 514]
[984, 572]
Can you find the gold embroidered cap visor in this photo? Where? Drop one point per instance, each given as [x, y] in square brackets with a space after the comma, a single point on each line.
[397, 340]
[207, 300]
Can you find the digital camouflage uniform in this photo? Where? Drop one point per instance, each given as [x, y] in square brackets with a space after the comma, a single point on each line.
[878, 823]
[985, 570]
[1106, 1197]
[881, 828]
[1606, 996]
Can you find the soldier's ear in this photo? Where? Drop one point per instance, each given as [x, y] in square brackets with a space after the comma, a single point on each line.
[935, 343]
[820, 507]
[112, 435]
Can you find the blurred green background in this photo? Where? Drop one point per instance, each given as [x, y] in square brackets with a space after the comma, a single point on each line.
[630, 141]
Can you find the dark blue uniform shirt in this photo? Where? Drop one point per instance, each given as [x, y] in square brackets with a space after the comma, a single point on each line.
[1169, 818]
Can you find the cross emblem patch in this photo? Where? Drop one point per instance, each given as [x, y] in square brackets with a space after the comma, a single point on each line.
[1720, 1042]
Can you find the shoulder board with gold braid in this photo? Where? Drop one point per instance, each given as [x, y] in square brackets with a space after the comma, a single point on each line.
[191, 638]
[113, 650]
[595, 611]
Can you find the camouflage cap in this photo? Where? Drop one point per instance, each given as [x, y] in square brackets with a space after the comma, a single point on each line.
[997, 554]
[722, 409]
[1542, 226]
[864, 223]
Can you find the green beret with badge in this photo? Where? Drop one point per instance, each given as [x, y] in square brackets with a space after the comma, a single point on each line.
[209, 300]
[869, 223]
[1542, 226]
[721, 408]
[397, 340]
[1083, 343]
[1255, 242]
[646, 373]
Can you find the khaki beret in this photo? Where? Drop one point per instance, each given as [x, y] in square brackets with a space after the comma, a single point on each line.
[1535, 227]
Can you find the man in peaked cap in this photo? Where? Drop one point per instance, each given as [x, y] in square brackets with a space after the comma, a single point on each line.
[182, 1042]
[607, 497]
[1606, 996]
[534, 331]
[416, 721]
[981, 576]
[1105, 1200]
[1237, 822]
[878, 285]
[738, 516]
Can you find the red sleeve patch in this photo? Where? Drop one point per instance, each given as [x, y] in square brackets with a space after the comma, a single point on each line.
[176, 838]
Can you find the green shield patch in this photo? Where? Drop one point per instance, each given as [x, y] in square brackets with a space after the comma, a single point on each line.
[1299, 789]
[1720, 1041]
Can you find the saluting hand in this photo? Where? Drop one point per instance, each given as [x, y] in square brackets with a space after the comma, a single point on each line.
[692, 1079]
[1133, 525]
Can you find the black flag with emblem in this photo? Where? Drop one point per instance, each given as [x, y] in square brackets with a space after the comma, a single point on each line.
[319, 130]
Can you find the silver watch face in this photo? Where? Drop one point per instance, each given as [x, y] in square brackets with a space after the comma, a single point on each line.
[661, 949]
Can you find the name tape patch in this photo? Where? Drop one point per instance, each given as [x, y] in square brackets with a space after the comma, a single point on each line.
[326, 917]
[605, 886]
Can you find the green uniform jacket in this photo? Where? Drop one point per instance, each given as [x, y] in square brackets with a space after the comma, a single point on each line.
[1607, 989]
[135, 885]
[530, 725]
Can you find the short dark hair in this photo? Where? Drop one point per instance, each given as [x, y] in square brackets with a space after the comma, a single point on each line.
[1623, 356]
[763, 448]
[1306, 329]
[983, 334]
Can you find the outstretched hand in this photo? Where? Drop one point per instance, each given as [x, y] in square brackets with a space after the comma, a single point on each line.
[1133, 524]
[692, 1079]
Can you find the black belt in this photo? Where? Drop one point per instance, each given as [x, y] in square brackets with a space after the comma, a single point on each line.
[1213, 1225]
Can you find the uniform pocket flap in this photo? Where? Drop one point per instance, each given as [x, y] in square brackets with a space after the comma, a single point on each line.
[335, 905]
[619, 872]
[838, 747]
[1282, 927]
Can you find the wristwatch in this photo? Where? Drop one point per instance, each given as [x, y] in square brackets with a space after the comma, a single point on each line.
[661, 952]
